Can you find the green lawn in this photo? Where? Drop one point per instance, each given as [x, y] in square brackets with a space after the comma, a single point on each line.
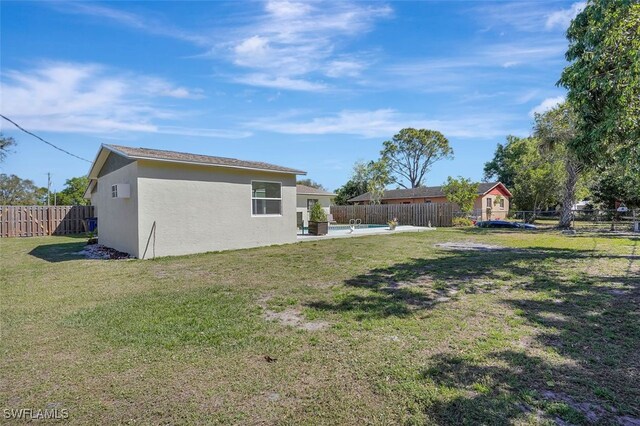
[542, 329]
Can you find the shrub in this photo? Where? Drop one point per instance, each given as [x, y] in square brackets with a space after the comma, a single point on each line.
[317, 213]
[462, 221]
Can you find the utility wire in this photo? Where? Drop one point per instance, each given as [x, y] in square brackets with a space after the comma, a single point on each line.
[38, 137]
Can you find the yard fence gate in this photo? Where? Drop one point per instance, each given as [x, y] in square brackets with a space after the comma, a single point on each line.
[34, 221]
[438, 214]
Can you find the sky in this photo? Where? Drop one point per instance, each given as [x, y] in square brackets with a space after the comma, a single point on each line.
[315, 86]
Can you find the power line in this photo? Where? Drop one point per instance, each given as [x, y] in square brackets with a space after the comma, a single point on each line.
[38, 137]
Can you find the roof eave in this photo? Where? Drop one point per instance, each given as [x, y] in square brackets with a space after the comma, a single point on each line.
[326, 194]
[141, 157]
[87, 192]
[496, 185]
[198, 163]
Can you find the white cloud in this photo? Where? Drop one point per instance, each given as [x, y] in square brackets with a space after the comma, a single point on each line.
[546, 105]
[522, 52]
[131, 20]
[275, 82]
[287, 43]
[291, 42]
[287, 8]
[383, 123]
[344, 68]
[525, 16]
[89, 98]
[158, 87]
[562, 18]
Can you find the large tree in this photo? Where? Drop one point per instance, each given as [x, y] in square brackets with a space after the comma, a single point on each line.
[503, 166]
[378, 178]
[15, 191]
[6, 143]
[370, 177]
[412, 152]
[535, 177]
[349, 190]
[557, 130]
[603, 80]
[73, 192]
[617, 182]
[462, 192]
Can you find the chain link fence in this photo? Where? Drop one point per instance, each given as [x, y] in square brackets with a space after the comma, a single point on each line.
[593, 219]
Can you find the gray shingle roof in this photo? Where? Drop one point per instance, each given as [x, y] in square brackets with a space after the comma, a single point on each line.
[422, 192]
[309, 190]
[183, 157]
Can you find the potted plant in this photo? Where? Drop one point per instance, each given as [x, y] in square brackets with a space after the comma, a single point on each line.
[393, 223]
[318, 223]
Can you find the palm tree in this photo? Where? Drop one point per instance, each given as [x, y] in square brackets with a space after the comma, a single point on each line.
[555, 129]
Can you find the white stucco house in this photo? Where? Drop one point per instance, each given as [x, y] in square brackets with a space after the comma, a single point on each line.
[307, 196]
[152, 203]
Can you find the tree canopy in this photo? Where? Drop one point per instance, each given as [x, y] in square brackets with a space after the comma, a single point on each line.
[412, 152]
[534, 176]
[6, 142]
[366, 177]
[15, 191]
[556, 131]
[73, 192]
[603, 80]
[503, 167]
[462, 192]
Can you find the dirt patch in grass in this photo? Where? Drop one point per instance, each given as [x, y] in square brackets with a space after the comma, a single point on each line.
[468, 246]
[592, 411]
[291, 317]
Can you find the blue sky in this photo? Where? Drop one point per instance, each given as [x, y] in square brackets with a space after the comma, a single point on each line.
[311, 85]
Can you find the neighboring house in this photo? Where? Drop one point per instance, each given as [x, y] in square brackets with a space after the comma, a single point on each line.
[487, 194]
[152, 203]
[307, 196]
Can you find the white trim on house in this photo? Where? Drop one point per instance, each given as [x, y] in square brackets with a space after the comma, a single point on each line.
[494, 187]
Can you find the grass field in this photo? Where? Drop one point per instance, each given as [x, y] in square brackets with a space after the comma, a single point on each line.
[539, 328]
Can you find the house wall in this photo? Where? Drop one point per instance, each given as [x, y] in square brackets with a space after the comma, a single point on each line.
[479, 205]
[198, 209]
[497, 212]
[118, 217]
[301, 204]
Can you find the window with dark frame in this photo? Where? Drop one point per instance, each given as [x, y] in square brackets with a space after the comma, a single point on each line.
[266, 198]
[489, 202]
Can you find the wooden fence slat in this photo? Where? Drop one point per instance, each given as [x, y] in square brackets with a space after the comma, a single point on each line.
[438, 214]
[30, 221]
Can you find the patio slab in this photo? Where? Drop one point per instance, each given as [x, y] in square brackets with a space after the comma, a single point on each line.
[364, 232]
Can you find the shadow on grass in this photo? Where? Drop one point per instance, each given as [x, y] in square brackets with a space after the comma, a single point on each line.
[590, 320]
[580, 232]
[402, 288]
[60, 252]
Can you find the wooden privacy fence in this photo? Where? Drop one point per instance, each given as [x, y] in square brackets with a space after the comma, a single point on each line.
[33, 221]
[438, 214]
